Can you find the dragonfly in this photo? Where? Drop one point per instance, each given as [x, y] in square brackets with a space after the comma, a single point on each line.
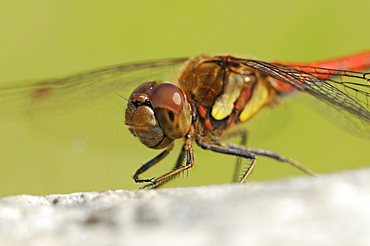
[204, 104]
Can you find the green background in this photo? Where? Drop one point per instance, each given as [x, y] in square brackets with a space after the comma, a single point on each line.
[50, 38]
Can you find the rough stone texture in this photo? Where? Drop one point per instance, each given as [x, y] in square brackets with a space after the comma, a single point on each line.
[333, 210]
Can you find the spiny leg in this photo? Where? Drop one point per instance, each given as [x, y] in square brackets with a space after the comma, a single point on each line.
[231, 150]
[275, 156]
[187, 152]
[238, 165]
[178, 164]
[151, 163]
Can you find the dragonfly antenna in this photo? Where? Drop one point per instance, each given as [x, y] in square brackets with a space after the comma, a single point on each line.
[122, 97]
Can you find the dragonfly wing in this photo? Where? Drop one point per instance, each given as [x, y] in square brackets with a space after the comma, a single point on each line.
[347, 92]
[86, 106]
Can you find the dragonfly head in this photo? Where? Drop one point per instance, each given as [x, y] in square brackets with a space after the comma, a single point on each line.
[158, 114]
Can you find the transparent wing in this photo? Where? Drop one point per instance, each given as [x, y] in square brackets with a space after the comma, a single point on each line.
[347, 92]
[87, 106]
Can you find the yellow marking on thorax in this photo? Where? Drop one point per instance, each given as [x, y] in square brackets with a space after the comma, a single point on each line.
[256, 102]
[224, 105]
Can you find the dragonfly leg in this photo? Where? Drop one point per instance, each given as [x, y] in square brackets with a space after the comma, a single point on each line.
[275, 156]
[178, 165]
[151, 163]
[243, 141]
[234, 150]
[186, 153]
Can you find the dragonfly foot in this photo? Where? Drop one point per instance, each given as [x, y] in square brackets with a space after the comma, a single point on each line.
[144, 180]
[147, 185]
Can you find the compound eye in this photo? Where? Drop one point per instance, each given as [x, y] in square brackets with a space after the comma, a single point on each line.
[167, 96]
[142, 89]
[171, 109]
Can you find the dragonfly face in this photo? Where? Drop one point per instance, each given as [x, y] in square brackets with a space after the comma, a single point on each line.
[158, 114]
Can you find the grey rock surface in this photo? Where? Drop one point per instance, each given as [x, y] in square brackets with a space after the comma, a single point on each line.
[332, 210]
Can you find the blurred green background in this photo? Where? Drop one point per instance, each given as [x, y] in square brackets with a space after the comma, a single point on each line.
[51, 38]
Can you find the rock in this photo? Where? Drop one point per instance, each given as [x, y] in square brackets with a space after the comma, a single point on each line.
[332, 210]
